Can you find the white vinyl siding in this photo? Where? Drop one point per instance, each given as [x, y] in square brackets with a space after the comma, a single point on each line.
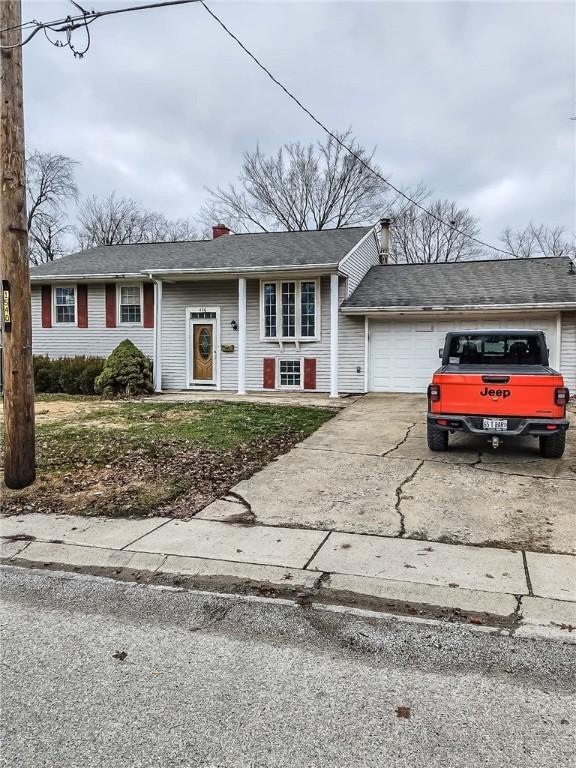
[351, 350]
[568, 350]
[65, 339]
[224, 294]
[403, 354]
[257, 348]
[176, 298]
[359, 261]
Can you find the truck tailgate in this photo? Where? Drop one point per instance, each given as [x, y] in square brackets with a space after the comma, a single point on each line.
[498, 395]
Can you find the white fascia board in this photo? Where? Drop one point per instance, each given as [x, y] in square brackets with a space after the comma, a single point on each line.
[220, 271]
[244, 270]
[459, 308]
[71, 278]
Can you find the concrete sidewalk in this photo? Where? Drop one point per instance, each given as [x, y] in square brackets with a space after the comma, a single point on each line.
[516, 590]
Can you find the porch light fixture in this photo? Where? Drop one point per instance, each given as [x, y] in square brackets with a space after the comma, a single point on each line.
[234, 325]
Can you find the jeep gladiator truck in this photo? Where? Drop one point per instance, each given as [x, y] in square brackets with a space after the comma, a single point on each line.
[499, 384]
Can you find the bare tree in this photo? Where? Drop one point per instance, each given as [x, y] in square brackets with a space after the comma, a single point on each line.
[538, 240]
[442, 234]
[50, 187]
[119, 220]
[300, 187]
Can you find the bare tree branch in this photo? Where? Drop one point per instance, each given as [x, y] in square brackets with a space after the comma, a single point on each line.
[119, 220]
[300, 187]
[537, 240]
[417, 237]
[50, 187]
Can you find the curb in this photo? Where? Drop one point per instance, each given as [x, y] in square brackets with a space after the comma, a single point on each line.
[545, 619]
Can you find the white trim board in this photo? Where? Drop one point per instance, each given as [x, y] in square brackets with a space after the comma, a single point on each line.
[190, 384]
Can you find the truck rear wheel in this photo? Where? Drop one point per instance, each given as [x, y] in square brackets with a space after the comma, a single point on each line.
[437, 438]
[553, 446]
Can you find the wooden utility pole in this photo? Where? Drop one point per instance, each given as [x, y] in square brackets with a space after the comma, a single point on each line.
[18, 380]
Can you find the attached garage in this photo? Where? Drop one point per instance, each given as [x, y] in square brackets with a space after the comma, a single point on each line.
[409, 308]
[403, 354]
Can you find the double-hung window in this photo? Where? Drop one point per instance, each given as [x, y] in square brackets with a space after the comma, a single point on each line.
[290, 374]
[65, 304]
[290, 310]
[130, 300]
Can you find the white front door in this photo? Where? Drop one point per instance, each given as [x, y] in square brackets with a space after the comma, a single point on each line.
[403, 354]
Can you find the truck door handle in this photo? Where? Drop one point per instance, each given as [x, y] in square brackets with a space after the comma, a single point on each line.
[495, 379]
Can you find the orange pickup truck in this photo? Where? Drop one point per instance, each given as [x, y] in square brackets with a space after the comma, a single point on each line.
[497, 383]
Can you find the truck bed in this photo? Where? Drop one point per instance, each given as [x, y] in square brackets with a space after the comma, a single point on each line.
[499, 370]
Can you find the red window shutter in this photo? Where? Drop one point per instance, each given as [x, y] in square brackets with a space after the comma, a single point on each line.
[110, 305]
[309, 373]
[269, 373]
[82, 298]
[46, 306]
[148, 305]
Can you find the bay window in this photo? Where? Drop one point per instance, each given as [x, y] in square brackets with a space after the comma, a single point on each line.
[290, 310]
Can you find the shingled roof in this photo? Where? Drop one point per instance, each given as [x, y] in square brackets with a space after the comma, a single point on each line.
[234, 253]
[466, 284]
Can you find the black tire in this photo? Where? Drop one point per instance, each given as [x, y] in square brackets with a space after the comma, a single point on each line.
[437, 438]
[553, 446]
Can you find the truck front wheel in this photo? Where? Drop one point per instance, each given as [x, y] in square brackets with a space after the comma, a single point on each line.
[437, 438]
[553, 446]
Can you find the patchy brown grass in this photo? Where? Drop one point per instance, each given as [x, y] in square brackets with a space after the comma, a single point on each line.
[122, 459]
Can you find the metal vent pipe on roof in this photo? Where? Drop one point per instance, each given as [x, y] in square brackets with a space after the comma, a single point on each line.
[384, 240]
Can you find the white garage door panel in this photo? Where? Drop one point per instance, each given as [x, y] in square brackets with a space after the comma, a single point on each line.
[404, 355]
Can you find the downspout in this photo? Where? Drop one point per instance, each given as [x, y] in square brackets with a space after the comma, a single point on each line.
[157, 350]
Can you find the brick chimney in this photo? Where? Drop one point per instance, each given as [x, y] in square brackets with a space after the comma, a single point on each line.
[218, 230]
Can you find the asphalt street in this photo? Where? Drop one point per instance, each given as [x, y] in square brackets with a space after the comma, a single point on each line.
[102, 673]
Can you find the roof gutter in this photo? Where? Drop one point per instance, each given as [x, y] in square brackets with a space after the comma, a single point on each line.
[329, 267]
[459, 308]
[101, 276]
[242, 270]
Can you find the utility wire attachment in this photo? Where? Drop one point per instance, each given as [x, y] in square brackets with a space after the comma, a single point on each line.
[70, 24]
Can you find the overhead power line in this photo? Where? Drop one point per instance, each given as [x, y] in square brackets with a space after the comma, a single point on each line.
[343, 144]
[85, 18]
[70, 24]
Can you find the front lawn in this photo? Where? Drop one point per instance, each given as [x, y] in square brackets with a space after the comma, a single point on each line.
[145, 459]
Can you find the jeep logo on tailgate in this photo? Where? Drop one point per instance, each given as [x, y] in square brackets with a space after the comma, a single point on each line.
[496, 393]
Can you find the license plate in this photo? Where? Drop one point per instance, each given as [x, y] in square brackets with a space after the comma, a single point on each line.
[497, 425]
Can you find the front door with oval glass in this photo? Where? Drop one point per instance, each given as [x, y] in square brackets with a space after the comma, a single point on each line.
[203, 353]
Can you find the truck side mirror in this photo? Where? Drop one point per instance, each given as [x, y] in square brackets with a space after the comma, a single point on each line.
[440, 353]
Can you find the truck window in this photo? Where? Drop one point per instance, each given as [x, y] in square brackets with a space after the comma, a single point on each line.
[501, 349]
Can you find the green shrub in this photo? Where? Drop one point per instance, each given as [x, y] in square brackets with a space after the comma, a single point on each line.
[127, 372]
[70, 375]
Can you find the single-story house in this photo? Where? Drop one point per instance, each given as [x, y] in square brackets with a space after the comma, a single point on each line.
[317, 310]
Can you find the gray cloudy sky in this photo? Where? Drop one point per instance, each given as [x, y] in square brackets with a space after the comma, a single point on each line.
[473, 98]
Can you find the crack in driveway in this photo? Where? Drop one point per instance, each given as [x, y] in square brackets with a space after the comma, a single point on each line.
[406, 436]
[400, 497]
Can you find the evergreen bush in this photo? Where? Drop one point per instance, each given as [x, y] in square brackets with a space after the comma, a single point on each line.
[126, 373]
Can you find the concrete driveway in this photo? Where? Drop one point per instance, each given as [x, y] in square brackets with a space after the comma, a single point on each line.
[369, 471]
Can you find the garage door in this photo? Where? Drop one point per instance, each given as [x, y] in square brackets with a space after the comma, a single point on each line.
[404, 355]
